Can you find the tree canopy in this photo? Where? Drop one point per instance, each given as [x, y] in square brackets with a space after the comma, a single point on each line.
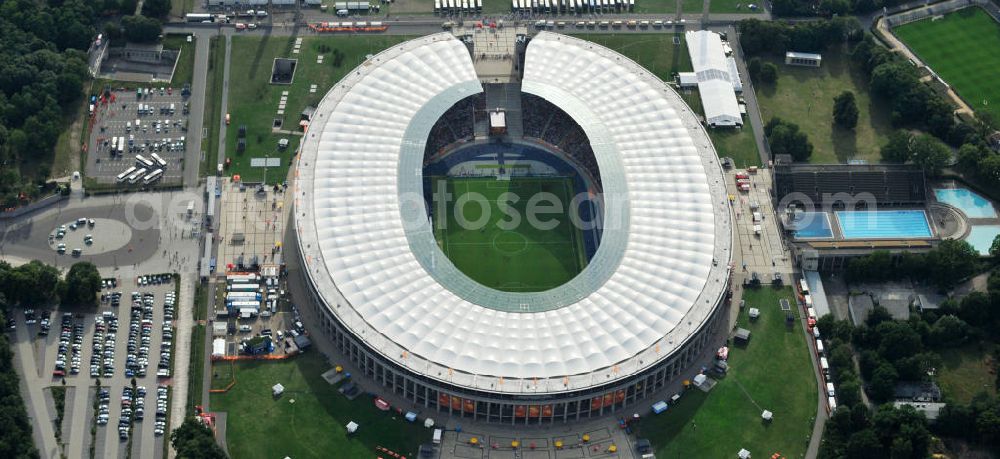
[786, 139]
[141, 29]
[42, 69]
[845, 110]
[193, 440]
[83, 282]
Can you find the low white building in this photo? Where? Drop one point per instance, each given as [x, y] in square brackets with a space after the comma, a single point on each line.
[803, 59]
[718, 79]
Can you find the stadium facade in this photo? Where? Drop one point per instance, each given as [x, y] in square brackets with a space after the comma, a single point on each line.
[634, 320]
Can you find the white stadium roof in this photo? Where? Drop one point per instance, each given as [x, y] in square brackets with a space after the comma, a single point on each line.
[717, 78]
[656, 278]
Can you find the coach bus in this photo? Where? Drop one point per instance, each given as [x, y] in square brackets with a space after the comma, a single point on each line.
[242, 304]
[243, 287]
[243, 296]
[159, 160]
[198, 17]
[137, 175]
[153, 176]
[124, 175]
[144, 161]
[243, 278]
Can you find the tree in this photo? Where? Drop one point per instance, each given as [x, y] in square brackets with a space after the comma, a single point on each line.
[141, 29]
[948, 331]
[898, 148]
[864, 445]
[154, 8]
[883, 382]
[930, 153]
[768, 73]
[995, 247]
[786, 139]
[849, 393]
[951, 261]
[83, 281]
[753, 68]
[845, 110]
[193, 440]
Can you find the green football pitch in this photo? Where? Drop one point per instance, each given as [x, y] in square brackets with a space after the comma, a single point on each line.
[963, 48]
[520, 258]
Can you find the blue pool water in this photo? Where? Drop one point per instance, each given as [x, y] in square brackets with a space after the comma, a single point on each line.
[812, 225]
[974, 205]
[981, 237]
[884, 224]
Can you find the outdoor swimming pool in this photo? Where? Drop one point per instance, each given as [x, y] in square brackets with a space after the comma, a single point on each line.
[884, 224]
[981, 237]
[974, 205]
[812, 225]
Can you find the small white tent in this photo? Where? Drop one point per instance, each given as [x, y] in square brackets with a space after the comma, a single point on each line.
[743, 454]
[352, 427]
[699, 380]
[428, 423]
[767, 415]
[277, 389]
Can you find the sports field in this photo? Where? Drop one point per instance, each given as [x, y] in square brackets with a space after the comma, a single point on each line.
[963, 48]
[506, 253]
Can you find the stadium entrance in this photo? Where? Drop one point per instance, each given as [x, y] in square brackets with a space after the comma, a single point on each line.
[522, 215]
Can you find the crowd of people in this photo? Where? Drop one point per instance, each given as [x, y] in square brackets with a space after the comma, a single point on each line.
[545, 122]
[457, 124]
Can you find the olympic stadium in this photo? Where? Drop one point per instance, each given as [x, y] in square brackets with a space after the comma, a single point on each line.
[512, 324]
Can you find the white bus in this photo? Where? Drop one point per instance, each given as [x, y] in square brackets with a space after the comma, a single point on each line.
[159, 160]
[124, 175]
[144, 161]
[244, 277]
[243, 304]
[479, 5]
[437, 5]
[137, 175]
[243, 287]
[243, 296]
[804, 286]
[154, 176]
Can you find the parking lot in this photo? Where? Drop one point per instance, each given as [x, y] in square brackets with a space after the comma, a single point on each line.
[152, 120]
[129, 336]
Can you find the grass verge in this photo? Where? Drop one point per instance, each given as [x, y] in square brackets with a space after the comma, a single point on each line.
[308, 419]
[196, 368]
[213, 105]
[59, 400]
[773, 372]
[184, 70]
[733, 7]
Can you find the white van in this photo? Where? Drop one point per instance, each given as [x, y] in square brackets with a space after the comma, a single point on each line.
[819, 347]
[342, 13]
[438, 433]
[829, 390]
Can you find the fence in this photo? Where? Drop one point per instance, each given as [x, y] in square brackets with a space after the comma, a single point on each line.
[40, 204]
[906, 17]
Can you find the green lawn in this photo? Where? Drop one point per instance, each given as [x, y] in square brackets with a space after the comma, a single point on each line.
[656, 52]
[734, 7]
[804, 95]
[773, 372]
[656, 6]
[260, 426]
[181, 7]
[184, 70]
[693, 6]
[964, 49]
[522, 259]
[966, 371]
[253, 101]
